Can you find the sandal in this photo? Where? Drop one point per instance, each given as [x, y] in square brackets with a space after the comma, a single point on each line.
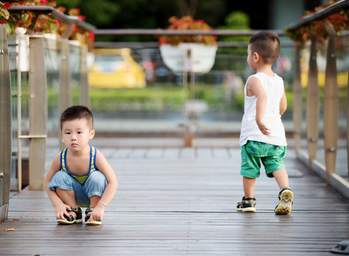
[70, 219]
[247, 205]
[285, 202]
[88, 215]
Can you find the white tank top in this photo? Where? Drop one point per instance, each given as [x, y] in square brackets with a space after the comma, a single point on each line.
[274, 88]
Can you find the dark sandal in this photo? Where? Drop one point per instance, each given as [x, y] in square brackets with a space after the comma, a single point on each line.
[70, 219]
[88, 215]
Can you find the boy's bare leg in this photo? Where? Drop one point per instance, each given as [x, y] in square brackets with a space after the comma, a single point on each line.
[94, 200]
[68, 198]
[281, 178]
[249, 186]
[286, 196]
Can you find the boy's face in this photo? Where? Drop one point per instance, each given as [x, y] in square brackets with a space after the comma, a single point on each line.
[76, 134]
[251, 58]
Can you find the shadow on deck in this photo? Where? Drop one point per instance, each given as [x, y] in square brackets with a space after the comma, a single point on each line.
[181, 201]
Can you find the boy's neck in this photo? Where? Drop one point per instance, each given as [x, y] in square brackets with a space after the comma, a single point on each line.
[266, 69]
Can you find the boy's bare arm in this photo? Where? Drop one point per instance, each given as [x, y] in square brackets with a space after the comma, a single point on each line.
[109, 192]
[60, 208]
[283, 104]
[255, 87]
[103, 166]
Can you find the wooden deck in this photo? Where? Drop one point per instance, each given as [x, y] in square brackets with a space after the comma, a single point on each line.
[181, 201]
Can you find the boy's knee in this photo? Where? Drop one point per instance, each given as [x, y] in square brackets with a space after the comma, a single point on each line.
[96, 182]
[61, 180]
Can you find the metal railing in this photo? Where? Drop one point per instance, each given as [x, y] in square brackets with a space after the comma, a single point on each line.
[330, 111]
[37, 96]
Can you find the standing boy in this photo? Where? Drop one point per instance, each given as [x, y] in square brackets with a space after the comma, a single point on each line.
[262, 135]
[80, 175]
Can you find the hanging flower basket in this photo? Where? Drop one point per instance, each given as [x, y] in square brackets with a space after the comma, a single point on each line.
[201, 60]
[174, 49]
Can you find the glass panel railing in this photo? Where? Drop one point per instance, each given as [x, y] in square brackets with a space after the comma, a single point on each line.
[342, 61]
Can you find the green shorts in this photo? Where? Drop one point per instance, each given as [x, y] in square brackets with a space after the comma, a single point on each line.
[253, 152]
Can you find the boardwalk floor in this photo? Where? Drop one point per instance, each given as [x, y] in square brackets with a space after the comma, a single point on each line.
[182, 202]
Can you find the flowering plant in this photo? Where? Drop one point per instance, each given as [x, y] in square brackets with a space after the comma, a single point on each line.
[339, 22]
[187, 23]
[44, 24]
[84, 37]
[4, 14]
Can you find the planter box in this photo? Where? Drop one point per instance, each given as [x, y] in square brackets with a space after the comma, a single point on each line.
[201, 60]
[23, 50]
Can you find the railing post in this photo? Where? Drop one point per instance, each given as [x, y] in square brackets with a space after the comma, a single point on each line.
[331, 106]
[84, 86]
[5, 125]
[297, 99]
[37, 113]
[65, 94]
[348, 124]
[313, 103]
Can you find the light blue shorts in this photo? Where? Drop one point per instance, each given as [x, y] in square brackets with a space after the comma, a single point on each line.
[94, 186]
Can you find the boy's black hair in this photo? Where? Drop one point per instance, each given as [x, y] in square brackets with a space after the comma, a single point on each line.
[77, 112]
[267, 45]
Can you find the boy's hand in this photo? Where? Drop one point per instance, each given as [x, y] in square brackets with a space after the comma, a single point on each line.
[97, 213]
[60, 210]
[265, 130]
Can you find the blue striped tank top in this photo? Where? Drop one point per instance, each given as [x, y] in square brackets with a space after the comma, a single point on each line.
[80, 178]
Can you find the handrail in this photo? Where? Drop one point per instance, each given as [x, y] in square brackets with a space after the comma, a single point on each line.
[180, 32]
[334, 8]
[156, 44]
[48, 10]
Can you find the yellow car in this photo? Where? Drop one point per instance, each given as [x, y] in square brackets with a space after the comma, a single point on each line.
[115, 68]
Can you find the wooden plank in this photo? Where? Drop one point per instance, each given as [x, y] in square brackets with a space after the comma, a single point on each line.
[235, 154]
[171, 153]
[84, 86]
[65, 99]
[205, 153]
[138, 153]
[188, 153]
[6, 124]
[122, 153]
[297, 98]
[154, 153]
[313, 102]
[107, 152]
[37, 112]
[221, 153]
[331, 109]
[185, 206]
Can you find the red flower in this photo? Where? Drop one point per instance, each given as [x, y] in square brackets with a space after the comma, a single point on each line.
[30, 15]
[58, 22]
[2, 21]
[7, 5]
[91, 36]
[162, 41]
[44, 1]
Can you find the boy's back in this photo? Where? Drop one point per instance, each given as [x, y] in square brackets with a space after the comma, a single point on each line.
[274, 88]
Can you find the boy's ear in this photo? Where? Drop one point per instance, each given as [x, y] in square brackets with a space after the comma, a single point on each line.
[92, 134]
[256, 57]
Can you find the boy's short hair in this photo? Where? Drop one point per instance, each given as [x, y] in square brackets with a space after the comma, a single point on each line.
[267, 45]
[77, 112]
